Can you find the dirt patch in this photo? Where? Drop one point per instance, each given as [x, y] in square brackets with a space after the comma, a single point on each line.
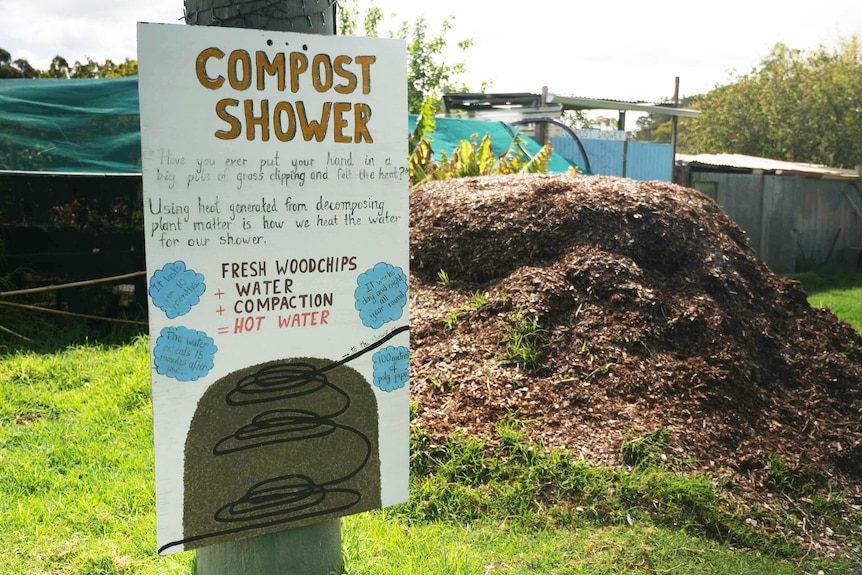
[654, 313]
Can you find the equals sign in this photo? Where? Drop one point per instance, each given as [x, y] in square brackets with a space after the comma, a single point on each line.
[223, 330]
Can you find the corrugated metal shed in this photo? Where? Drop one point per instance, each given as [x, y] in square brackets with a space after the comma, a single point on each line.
[795, 215]
[764, 165]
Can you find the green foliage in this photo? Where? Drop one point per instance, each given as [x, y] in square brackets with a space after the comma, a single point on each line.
[348, 20]
[428, 70]
[15, 68]
[60, 68]
[443, 279]
[828, 503]
[106, 69]
[525, 341]
[576, 119]
[442, 386]
[470, 158]
[512, 479]
[657, 127]
[451, 319]
[423, 132]
[689, 501]
[645, 450]
[477, 300]
[784, 478]
[803, 106]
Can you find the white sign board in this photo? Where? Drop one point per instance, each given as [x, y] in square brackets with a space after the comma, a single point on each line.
[276, 221]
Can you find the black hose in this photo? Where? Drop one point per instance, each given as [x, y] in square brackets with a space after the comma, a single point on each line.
[559, 124]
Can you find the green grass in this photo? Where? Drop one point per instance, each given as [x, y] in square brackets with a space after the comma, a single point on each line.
[76, 463]
[76, 478]
[838, 289]
[76, 474]
[451, 319]
[443, 279]
[525, 341]
[377, 543]
[38, 332]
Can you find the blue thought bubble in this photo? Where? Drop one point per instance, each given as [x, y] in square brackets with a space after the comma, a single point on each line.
[175, 290]
[381, 294]
[184, 354]
[391, 368]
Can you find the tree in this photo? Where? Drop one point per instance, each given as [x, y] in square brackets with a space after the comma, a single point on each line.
[348, 20]
[106, 69]
[576, 119]
[15, 69]
[795, 106]
[60, 68]
[657, 127]
[605, 123]
[428, 71]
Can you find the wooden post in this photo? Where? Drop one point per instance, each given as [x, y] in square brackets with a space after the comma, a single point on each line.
[674, 123]
[541, 128]
[312, 549]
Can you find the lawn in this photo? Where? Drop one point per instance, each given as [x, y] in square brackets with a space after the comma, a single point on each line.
[839, 289]
[76, 475]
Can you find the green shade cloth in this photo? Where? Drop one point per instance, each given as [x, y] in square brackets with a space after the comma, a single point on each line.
[449, 132]
[79, 126]
[93, 126]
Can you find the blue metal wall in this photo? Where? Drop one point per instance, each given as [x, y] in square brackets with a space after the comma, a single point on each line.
[643, 160]
[648, 161]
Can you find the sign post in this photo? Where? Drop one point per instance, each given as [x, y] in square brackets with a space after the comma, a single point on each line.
[276, 221]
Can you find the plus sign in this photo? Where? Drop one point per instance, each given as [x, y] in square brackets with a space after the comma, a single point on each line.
[219, 293]
[220, 310]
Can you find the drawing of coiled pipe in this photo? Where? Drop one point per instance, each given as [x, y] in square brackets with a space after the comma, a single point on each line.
[280, 444]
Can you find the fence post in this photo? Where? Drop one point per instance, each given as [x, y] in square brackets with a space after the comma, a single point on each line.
[312, 549]
[309, 550]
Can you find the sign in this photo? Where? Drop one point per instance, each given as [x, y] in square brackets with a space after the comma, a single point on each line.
[276, 221]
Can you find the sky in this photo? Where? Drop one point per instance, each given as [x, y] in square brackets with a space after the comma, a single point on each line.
[625, 50]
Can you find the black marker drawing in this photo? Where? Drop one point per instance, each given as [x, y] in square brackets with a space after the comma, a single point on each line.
[280, 444]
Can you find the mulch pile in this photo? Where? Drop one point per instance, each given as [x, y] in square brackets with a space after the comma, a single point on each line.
[656, 315]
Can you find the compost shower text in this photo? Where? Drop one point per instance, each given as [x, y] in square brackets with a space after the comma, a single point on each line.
[260, 119]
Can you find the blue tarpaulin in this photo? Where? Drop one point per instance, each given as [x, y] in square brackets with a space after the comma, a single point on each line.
[449, 132]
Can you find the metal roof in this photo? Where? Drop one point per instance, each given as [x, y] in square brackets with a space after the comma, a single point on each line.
[525, 100]
[742, 162]
[575, 103]
[481, 100]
